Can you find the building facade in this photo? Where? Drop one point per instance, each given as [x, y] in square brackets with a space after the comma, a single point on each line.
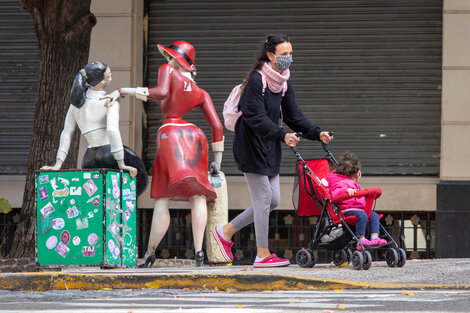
[388, 77]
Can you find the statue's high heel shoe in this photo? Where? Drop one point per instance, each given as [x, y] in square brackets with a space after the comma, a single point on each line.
[199, 257]
[149, 261]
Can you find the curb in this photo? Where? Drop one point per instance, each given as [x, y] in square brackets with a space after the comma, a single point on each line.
[223, 282]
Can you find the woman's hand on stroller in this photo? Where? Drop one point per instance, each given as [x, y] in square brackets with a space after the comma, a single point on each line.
[291, 139]
[326, 137]
[351, 191]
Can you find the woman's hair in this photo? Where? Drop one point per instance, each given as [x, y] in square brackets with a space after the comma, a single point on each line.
[268, 45]
[348, 164]
[91, 74]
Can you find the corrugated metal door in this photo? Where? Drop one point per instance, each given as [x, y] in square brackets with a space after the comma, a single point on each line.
[368, 70]
[19, 63]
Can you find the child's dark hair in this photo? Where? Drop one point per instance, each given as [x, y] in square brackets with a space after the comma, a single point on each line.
[268, 45]
[92, 74]
[348, 164]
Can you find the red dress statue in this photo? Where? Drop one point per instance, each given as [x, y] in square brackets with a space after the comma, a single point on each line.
[181, 161]
[180, 169]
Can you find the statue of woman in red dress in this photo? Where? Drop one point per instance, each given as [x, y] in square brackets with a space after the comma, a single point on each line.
[180, 168]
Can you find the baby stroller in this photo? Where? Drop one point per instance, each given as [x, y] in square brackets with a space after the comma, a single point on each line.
[334, 231]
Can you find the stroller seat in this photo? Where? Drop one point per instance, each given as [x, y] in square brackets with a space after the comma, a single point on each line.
[313, 195]
[314, 199]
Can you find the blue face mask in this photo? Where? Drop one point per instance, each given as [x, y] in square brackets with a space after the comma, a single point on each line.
[282, 61]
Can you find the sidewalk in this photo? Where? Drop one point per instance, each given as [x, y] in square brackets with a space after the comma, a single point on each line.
[416, 274]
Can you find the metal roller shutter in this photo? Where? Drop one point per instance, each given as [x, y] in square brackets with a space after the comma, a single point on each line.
[368, 70]
[19, 63]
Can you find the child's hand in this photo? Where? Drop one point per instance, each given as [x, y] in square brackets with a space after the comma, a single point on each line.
[351, 191]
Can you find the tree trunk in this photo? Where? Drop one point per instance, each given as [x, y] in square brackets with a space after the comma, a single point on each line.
[63, 28]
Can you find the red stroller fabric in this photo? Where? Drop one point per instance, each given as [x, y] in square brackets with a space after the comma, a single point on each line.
[309, 207]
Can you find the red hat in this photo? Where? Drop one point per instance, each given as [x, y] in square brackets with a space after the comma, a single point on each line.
[182, 51]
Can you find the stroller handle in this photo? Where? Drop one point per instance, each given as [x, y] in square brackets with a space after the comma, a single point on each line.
[324, 145]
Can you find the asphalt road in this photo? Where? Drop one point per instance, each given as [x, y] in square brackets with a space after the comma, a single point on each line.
[208, 301]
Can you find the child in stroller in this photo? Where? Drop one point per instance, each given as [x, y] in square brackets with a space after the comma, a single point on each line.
[334, 230]
[344, 179]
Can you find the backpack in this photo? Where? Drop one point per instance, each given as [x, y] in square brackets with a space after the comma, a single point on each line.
[230, 112]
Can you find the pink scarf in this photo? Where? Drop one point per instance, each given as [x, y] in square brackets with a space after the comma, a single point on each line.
[274, 79]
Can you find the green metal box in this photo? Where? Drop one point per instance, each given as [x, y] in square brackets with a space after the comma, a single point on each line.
[86, 218]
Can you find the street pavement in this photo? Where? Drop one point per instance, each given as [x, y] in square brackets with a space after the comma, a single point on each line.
[207, 301]
[415, 275]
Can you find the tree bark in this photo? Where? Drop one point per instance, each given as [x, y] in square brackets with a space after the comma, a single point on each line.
[63, 28]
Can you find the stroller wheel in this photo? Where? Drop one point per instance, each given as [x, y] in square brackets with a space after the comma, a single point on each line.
[357, 260]
[339, 257]
[391, 257]
[401, 257]
[306, 258]
[367, 260]
[349, 252]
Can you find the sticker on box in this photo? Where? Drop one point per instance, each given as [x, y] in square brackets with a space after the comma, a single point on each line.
[88, 251]
[76, 191]
[93, 239]
[43, 193]
[90, 187]
[130, 205]
[48, 208]
[127, 214]
[65, 237]
[82, 223]
[126, 194]
[113, 249]
[58, 193]
[114, 228]
[95, 200]
[62, 249]
[72, 212]
[116, 191]
[43, 179]
[51, 242]
[58, 223]
[46, 222]
[76, 240]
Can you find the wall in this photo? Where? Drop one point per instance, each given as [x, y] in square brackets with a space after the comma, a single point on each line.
[455, 150]
[453, 191]
[117, 40]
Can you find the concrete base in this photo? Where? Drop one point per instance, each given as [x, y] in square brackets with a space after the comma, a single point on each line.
[217, 214]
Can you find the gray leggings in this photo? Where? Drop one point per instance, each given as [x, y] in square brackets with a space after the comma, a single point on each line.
[265, 196]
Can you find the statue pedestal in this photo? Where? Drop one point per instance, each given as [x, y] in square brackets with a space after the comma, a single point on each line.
[217, 214]
[86, 218]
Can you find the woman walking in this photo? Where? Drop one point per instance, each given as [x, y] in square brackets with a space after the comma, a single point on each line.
[267, 99]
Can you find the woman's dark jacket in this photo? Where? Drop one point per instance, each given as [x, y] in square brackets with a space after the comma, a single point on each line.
[258, 136]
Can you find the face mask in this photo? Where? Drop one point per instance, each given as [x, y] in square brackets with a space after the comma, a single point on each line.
[283, 61]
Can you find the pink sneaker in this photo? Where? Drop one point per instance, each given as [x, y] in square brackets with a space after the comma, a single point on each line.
[365, 242]
[379, 242]
[272, 261]
[225, 246]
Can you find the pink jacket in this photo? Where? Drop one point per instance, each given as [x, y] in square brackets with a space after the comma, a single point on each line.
[338, 184]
